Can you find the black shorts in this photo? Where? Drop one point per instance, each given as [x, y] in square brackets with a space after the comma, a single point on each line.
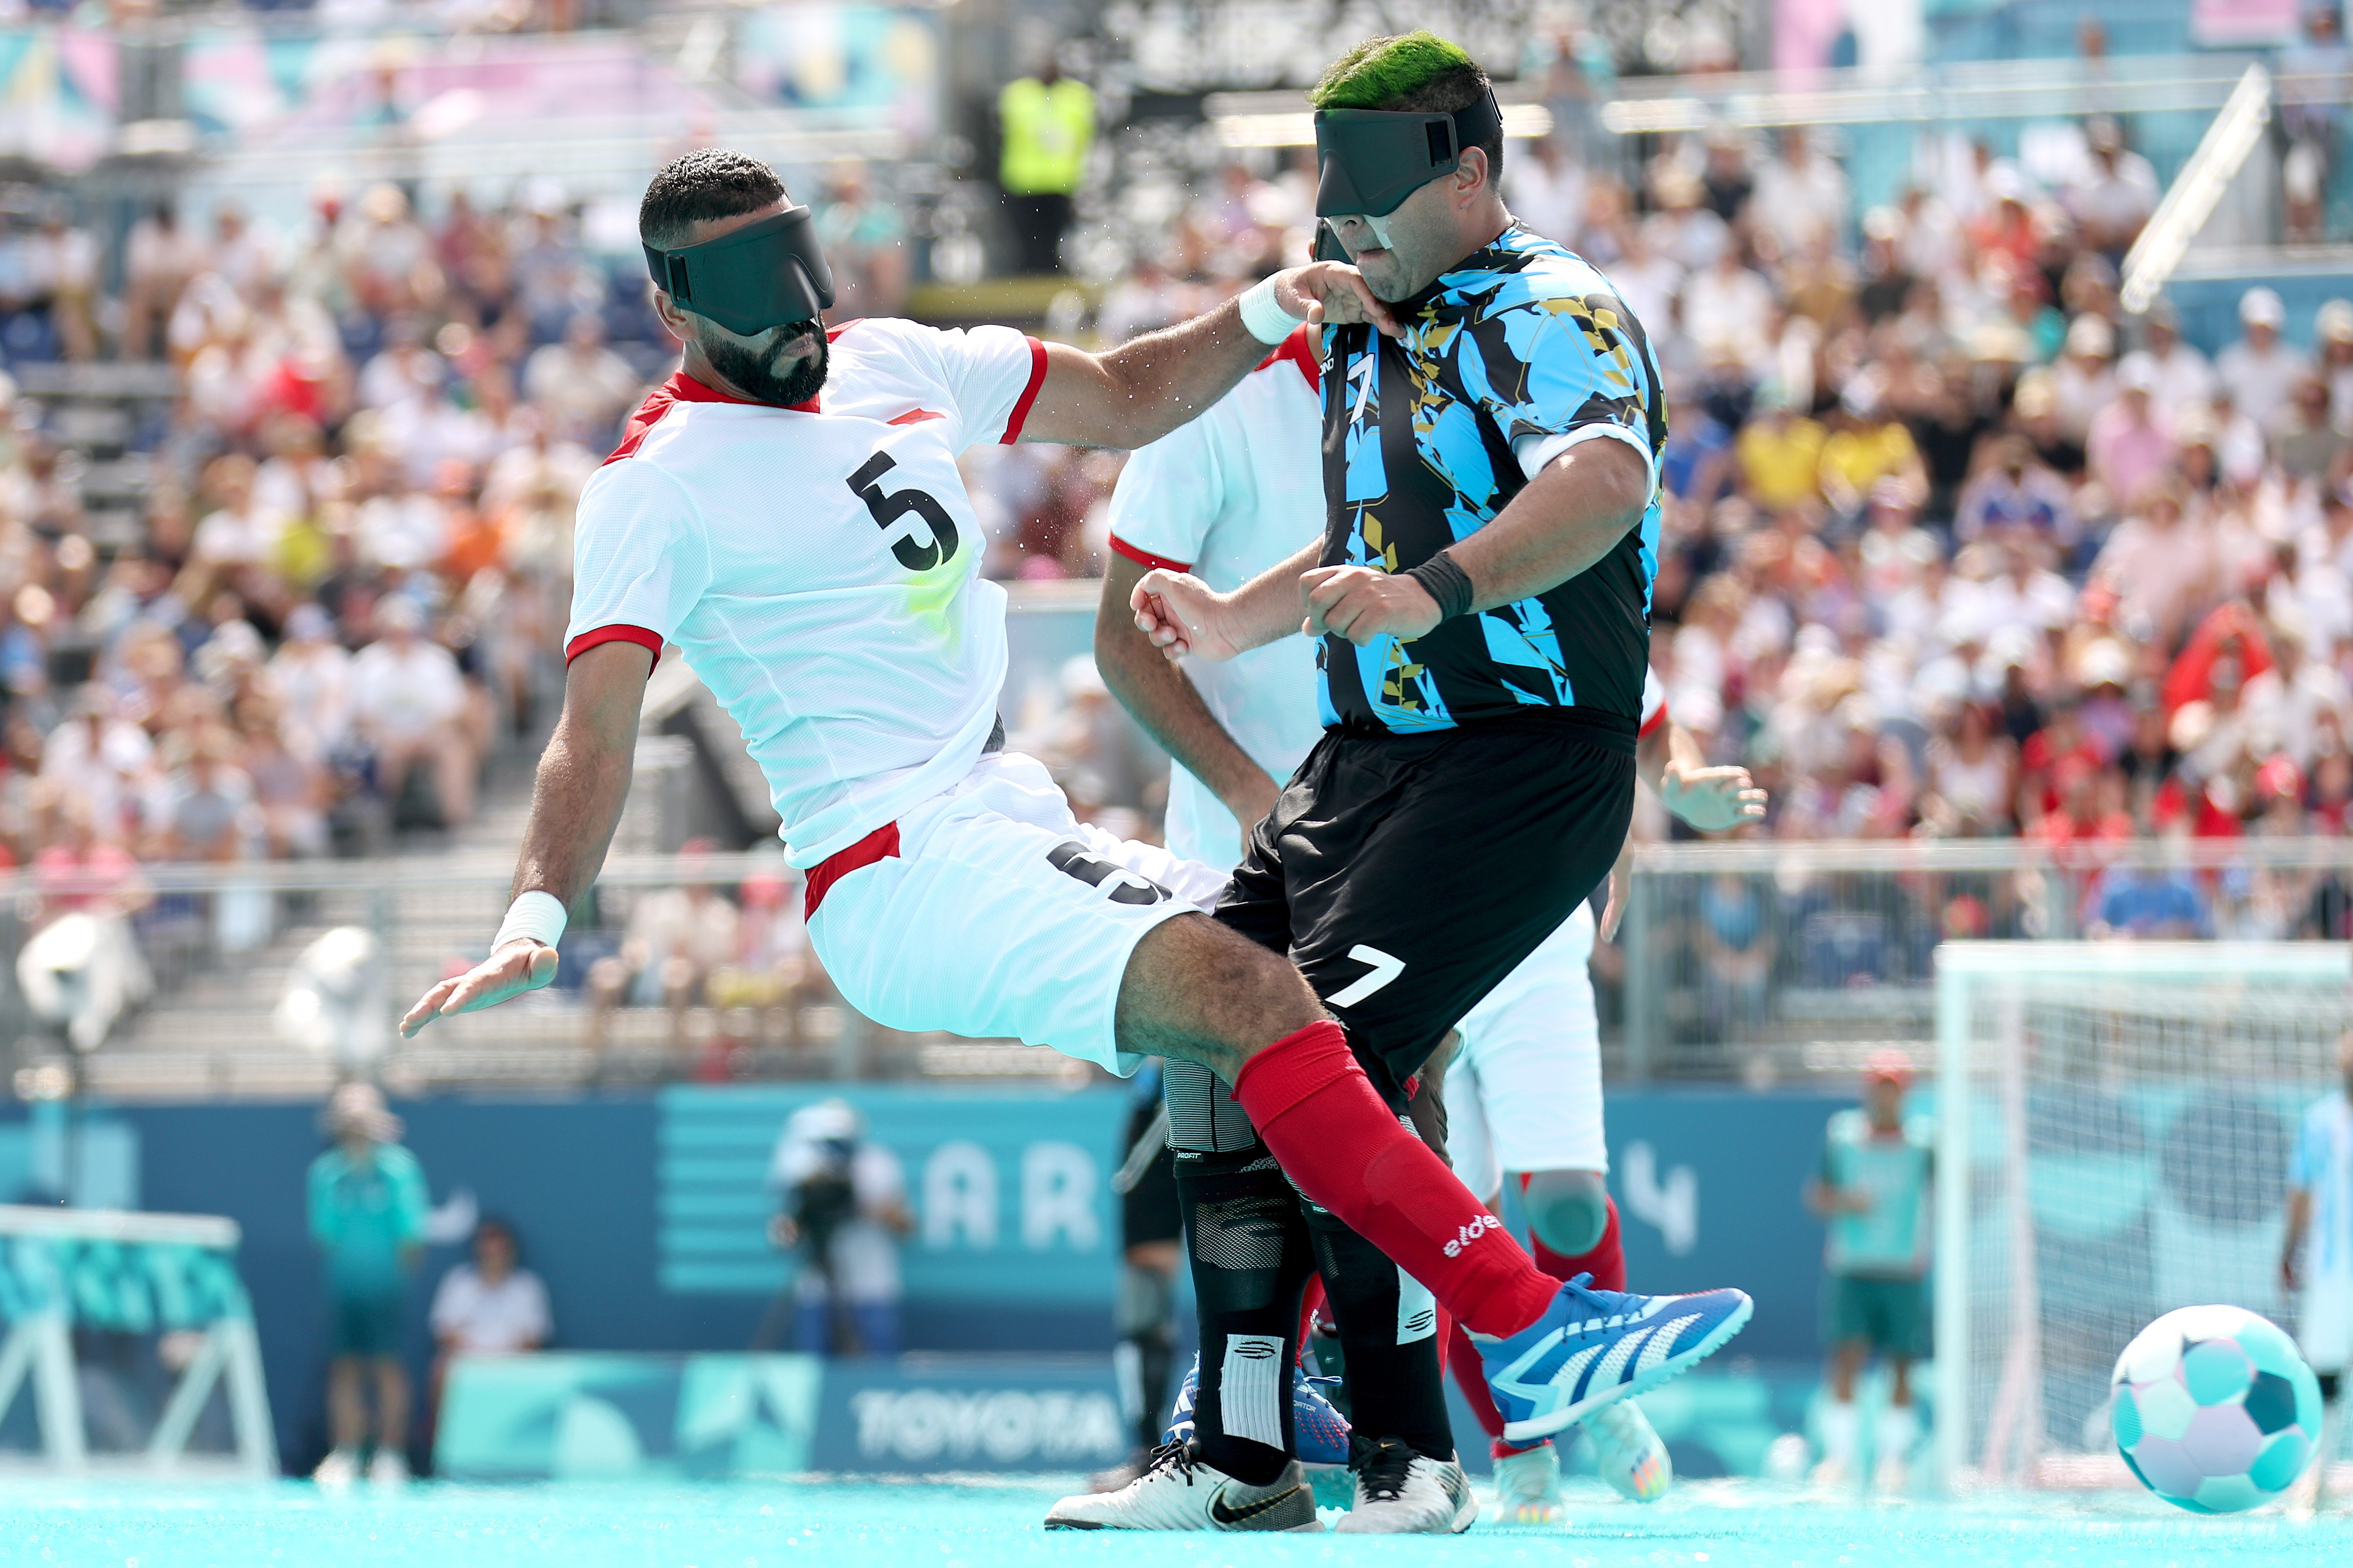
[1405, 874]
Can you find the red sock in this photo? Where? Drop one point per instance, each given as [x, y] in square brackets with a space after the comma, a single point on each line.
[1605, 1259]
[1314, 1107]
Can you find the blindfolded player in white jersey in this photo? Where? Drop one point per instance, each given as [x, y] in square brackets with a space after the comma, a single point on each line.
[786, 512]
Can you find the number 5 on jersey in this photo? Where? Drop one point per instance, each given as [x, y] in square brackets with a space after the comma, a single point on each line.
[891, 514]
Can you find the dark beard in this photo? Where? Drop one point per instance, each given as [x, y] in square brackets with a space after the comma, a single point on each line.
[748, 369]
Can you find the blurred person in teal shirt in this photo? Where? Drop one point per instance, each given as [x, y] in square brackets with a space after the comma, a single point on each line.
[367, 1213]
[1873, 1189]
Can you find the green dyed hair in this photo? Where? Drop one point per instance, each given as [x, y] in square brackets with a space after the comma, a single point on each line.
[1417, 72]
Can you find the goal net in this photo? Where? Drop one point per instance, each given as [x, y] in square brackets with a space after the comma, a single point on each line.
[2114, 1125]
[127, 1346]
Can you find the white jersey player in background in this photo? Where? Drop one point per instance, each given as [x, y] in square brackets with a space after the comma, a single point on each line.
[1225, 498]
[2316, 1259]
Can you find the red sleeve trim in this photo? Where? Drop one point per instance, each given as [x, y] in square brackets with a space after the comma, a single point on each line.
[1300, 349]
[1020, 416]
[876, 847]
[1657, 717]
[615, 633]
[1150, 561]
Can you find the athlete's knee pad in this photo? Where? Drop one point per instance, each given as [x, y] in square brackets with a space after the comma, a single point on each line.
[1388, 1326]
[1145, 1302]
[1203, 1116]
[1568, 1210]
[1246, 1245]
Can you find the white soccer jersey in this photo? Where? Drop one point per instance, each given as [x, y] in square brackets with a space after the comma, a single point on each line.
[820, 566]
[1226, 496]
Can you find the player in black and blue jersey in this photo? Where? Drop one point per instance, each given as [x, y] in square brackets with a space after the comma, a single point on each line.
[1482, 598]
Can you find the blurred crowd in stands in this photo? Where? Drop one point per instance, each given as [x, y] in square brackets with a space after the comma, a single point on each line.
[1954, 546]
[352, 563]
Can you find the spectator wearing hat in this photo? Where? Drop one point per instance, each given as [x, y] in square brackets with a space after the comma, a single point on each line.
[408, 701]
[2333, 329]
[1873, 1190]
[580, 387]
[2083, 379]
[2129, 445]
[2116, 194]
[368, 1202]
[2156, 562]
[2260, 370]
[1779, 454]
[2185, 377]
[842, 1208]
[2015, 495]
[1866, 448]
[2306, 443]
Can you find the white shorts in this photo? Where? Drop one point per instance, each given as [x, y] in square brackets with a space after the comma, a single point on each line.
[1523, 1092]
[974, 925]
[2325, 1325]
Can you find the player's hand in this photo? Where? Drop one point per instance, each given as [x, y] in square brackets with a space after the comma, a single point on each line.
[1360, 604]
[521, 965]
[1621, 884]
[1712, 799]
[2291, 1277]
[1333, 294]
[1182, 615]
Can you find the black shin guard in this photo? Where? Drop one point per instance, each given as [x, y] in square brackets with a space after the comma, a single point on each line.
[1250, 1258]
[1389, 1332]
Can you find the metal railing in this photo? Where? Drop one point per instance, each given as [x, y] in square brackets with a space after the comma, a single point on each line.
[1766, 961]
[1760, 961]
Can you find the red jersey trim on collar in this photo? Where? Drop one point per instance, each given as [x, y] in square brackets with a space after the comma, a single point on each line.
[1301, 352]
[1020, 415]
[684, 388]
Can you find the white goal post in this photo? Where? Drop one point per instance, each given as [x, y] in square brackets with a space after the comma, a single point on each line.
[161, 1280]
[2113, 1126]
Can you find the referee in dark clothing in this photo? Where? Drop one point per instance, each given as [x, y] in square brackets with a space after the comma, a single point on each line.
[1481, 594]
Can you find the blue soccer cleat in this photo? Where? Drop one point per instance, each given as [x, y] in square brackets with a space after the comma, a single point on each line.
[1592, 1348]
[1318, 1431]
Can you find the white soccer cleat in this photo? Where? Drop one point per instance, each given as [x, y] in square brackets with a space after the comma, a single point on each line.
[1628, 1454]
[1181, 1491]
[1528, 1487]
[339, 1470]
[1401, 1493]
[388, 1470]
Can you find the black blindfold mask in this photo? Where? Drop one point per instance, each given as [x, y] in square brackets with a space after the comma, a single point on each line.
[762, 275]
[1370, 160]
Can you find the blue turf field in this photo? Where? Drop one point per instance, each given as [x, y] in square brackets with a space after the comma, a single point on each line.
[994, 1525]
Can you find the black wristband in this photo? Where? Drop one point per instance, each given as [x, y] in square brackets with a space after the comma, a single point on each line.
[1445, 582]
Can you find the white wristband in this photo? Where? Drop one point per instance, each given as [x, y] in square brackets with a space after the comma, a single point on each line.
[1263, 316]
[537, 915]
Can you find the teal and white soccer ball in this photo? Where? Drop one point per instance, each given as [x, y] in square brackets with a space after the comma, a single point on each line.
[2215, 1411]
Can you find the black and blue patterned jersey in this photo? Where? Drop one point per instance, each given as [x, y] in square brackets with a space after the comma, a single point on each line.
[1509, 358]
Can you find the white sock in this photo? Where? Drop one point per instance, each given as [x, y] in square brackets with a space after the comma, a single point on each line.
[1897, 1430]
[1842, 1430]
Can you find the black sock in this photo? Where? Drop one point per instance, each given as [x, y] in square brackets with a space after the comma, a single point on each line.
[1250, 1253]
[1388, 1331]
